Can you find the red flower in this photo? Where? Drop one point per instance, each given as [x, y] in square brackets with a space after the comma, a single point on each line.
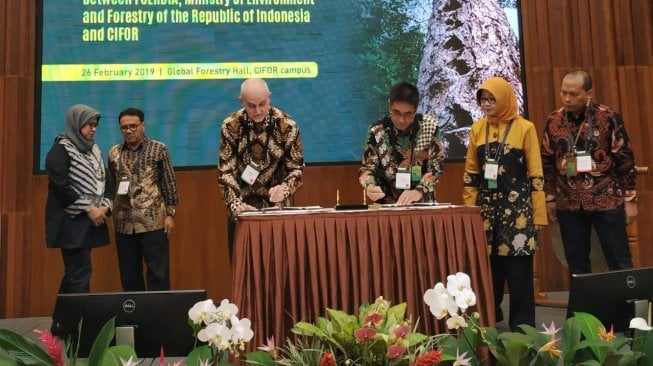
[52, 345]
[373, 319]
[401, 331]
[395, 351]
[364, 334]
[430, 358]
[327, 359]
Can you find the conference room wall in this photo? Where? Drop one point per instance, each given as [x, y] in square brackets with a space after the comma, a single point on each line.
[611, 38]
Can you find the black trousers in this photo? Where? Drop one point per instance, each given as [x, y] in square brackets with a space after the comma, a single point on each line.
[152, 248]
[610, 227]
[77, 271]
[518, 272]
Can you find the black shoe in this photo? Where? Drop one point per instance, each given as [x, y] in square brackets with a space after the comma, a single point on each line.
[498, 315]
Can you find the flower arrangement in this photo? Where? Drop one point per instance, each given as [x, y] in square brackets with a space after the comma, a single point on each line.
[224, 333]
[52, 351]
[380, 334]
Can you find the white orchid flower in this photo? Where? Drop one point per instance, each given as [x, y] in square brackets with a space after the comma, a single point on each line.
[241, 330]
[439, 302]
[639, 323]
[456, 322]
[203, 311]
[226, 310]
[216, 334]
[465, 299]
[457, 283]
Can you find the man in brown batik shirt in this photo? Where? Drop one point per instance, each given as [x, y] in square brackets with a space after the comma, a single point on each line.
[261, 155]
[143, 185]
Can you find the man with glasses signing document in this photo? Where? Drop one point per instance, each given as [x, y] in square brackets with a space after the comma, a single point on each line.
[403, 157]
[261, 155]
[144, 187]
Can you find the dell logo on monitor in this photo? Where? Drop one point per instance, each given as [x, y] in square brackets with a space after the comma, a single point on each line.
[129, 306]
[631, 282]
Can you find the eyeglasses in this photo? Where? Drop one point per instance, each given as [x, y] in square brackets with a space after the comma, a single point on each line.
[93, 124]
[132, 127]
[483, 100]
[405, 115]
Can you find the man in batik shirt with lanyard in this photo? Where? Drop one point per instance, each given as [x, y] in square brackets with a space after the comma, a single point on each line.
[144, 188]
[589, 176]
[403, 155]
[261, 155]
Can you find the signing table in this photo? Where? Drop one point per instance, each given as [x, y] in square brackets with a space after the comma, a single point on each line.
[291, 265]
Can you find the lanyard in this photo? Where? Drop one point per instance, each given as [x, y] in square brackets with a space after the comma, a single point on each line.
[503, 141]
[573, 141]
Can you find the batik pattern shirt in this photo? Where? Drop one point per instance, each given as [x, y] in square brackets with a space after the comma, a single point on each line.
[274, 145]
[613, 163]
[510, 210]
[152, 192]
[387, 150]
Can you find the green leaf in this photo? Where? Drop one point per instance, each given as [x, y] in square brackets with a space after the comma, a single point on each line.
[571, 335]
[308, 329]
[645, 345]
[259, 358]
[398, 311]
[325, 325]
[197, 354]
[588, 363]
[415, 338]
[114, 354]
[537, 336]
[517, 348]
[102, 342]
[340, 318]
[4, 361]
[23, 350]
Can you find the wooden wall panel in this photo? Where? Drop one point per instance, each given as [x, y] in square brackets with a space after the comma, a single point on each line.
[17, 50]
[613, 39]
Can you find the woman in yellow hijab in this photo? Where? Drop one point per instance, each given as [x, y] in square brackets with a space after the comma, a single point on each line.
[503, 175]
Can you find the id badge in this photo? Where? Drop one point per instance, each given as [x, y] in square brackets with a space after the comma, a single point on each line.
[123, 187]
[491, 170]
[251, 173]
[571, 166]
[583, 162]
[416, 173]
[402, 180]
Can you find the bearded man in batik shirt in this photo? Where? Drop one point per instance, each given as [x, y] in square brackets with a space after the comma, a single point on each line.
[261, 155]
[403, 157]
[143, 185]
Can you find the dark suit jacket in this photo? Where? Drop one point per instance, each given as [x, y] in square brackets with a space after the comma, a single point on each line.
[61, 230]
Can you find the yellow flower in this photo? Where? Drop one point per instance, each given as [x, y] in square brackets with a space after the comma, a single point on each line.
[551, 348]
[520, 221]
[607, 336]
[531, 243]
[487, 224]
[503, 249]
[538, 184]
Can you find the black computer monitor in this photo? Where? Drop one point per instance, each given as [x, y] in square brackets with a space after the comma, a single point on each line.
[611, 296]
[158, 319]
